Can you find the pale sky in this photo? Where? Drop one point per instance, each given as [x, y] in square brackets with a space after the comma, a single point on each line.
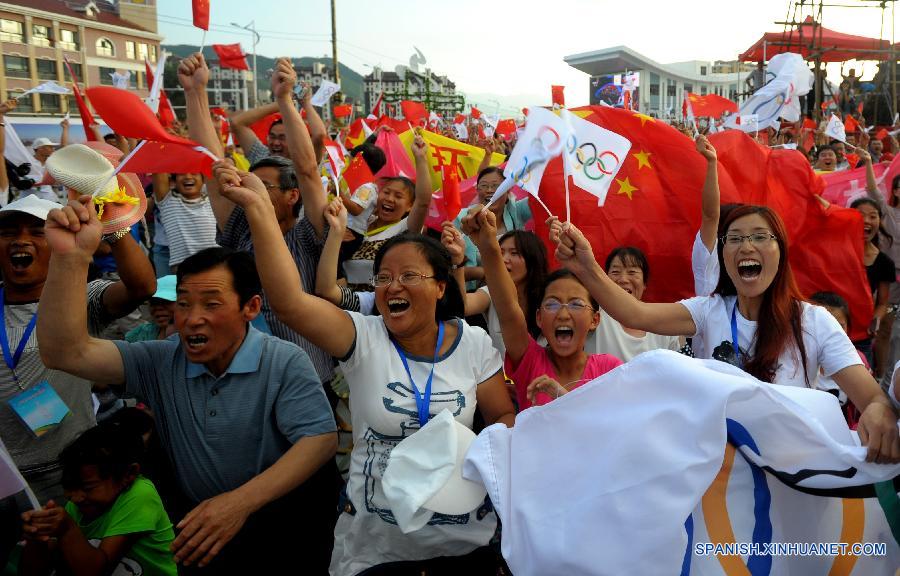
[511, 51]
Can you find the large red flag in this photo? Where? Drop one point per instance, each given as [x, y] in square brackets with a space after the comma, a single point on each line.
[231, 56]
[414, 112]
[557, 95]
[201, 13]
[127, 115]
[711, 105]
[654, 204]
[164, 157]
[87, 119]
[165, 112]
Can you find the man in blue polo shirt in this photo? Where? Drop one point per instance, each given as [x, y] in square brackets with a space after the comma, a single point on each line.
[241, 414]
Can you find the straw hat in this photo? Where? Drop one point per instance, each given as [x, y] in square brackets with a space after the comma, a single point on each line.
[119, 198]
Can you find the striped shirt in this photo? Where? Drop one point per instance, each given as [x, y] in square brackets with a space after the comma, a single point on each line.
[190, 225]
[30, 453]
[306, 248]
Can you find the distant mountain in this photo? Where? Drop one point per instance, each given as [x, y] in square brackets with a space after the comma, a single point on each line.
[351, 81]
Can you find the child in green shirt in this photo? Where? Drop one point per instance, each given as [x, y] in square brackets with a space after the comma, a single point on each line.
[114, 517]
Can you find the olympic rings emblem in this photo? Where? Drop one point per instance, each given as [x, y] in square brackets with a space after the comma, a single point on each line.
[596, 159]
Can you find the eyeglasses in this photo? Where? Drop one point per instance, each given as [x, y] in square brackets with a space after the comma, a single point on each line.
[406, 279]
[487, 187]
[553, 306]
[756, 239]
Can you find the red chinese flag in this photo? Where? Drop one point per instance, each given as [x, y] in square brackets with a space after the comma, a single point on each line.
[809, 124]
[475, 113]
[201, 13]
[163, 157]
[414, 112]
[357, 173]
[165, 112]
[459, 119]
[261, 128]
[506, 129]
[850, 124]
[557, 94]
[87, 119]
[231, 56]
[882, 134]
[398, 126]
[342, 111]
[127, 115]
[658, 188]
[711, 105]
[450, 189]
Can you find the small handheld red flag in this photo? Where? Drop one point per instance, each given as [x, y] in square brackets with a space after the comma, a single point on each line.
[127, 115]
[557, 95]
[450, 189]
[475, 113]
[164, 157]
[87, 119]
[342, 111]
[231, 56]
[850, 124]
[201, 13]
[165, 113]
[357, 173]
[414, 112]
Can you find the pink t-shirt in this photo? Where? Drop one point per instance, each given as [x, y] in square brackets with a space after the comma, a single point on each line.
[536, 362]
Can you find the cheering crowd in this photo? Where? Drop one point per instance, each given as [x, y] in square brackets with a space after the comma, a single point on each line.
[202, 335]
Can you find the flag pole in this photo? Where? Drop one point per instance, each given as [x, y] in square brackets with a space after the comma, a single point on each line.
[202, 42]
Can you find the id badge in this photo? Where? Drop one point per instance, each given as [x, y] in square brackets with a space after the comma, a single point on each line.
[40, 408]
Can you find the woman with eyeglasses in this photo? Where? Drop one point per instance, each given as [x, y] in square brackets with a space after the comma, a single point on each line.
[509, 212]
[404, 366]
[755, 319]
[565, 316]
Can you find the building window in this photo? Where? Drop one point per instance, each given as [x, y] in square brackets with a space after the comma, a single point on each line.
[68, 40]
[654, 89]
[703, 90]
[152, 53]
[670, 89]
[703, 70]
[16, 67]
[76, 69]
[129, 50]
[105, 47]
[25, 104]
[139, 80]
[12, 31]
[688, 87]
[40, 35]
[106, 76]
[46, 69]
[50, 103]
[143, 52]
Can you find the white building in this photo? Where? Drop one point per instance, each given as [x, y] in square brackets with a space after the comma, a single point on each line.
[662, 87]
[229, 88]
[314, 75]
[437, 92]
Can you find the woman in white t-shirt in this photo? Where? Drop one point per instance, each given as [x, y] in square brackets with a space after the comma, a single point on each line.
[756, 317]
[387, 360]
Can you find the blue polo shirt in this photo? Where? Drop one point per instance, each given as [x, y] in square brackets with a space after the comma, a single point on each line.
[221, 432]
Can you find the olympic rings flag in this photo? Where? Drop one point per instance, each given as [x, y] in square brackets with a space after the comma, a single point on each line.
[593, 155]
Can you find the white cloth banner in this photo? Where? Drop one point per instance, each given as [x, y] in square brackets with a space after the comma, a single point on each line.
[543, 139]
[121, 81]
[624, 476]
[780, 98]
[835, 129]
[323, 95]
[593, 155]
[49, 87]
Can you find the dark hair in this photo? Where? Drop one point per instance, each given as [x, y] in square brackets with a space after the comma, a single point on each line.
[832, 300]
[823, 148]
[534, 254]
[630, 256]
[275, 123]
[287, 178]
[563, 273]
[451, 303]
[240, 264]
[406, 182]
[893, 200]
[109, 447]
[881, 230]
[372, 154]
[488, 171]
[780, 312]
[833, 142]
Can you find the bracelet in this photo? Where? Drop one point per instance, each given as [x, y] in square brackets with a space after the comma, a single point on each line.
[114, 237]
[455, 267]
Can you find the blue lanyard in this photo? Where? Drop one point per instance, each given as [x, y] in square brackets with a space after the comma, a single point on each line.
[734, 336]
[12, 360]
[423, 400]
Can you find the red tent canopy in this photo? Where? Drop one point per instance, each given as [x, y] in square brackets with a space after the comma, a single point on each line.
[810, 39]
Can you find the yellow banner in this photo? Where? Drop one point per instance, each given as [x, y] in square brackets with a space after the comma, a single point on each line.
[443, 151]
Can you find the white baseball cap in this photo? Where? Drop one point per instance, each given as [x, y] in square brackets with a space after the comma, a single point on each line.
[42, 142]
[31, 204]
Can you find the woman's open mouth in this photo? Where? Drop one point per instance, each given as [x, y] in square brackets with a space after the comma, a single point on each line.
[749, 269]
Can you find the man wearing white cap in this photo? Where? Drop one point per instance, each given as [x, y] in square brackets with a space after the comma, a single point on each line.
[43, 148]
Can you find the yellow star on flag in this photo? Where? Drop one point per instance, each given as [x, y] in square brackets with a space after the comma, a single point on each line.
[643, 118]
[643, 159]
[625, 187]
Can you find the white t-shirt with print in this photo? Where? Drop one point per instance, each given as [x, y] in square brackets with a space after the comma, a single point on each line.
[384, 413]
[493, 324]
[610, 337]
[705, 266]
[365, 197]
[827, 345]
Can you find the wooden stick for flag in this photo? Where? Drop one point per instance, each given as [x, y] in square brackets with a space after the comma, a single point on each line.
[202, 42]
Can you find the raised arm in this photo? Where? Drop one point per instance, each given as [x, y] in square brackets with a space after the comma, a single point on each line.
[878, 417]
[317, 320]
[64, 133]
[242, 121]
[709, 224]
[419, 211]
[137, 281]
[475, 302]
[326, 272]
[481, 226]
[193, 75]
[303, 155]
[574, 252]
[488, 153]
[73, 233]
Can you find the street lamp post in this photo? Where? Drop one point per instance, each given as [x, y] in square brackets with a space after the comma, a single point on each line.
[251, 27]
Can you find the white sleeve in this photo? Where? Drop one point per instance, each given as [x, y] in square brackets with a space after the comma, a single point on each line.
[705, 265]
[366, 303]
[366, 341]
[698, 307]
[836, 351]
[364, 195]
[893, 391]
[485, 359]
